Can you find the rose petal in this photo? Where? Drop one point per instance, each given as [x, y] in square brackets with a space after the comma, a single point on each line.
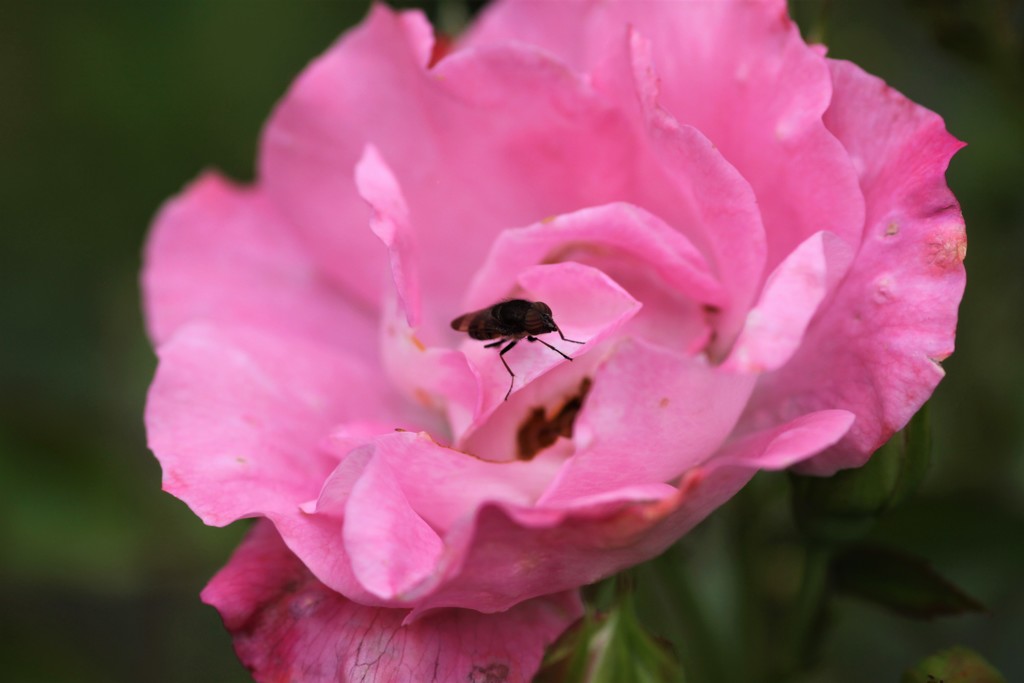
[288, 626]
[785, 445]
[511, 116]
[223, 254]
[439, 379]
[310, 146]
[706, 197]
[390, 222]
[442, 485]
[792, 294]
[678, 411]
[738, 72]
[628, 231]
[391, 547]
[509, 553]
[236, 418]
[876, 350]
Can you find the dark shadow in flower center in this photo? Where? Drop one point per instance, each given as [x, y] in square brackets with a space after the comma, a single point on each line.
[538, 431]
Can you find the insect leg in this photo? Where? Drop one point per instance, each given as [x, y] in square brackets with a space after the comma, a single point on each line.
[501, 355]
[493, 344]
[533, 339]
[568, 340]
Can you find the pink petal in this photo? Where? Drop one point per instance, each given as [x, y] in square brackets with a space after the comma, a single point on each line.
[741, 74]
[736, 71]
[390, 222]
[317, 136]
[785, 445]
[288, 626]
[876, 350]
[701, 193]
[236, 418]
[775, 327]
[511, 553]
[391, 547]
[667, 411]
[442, 485]
[223, 254]
[438, 379]
[629, 231]
[510, 116]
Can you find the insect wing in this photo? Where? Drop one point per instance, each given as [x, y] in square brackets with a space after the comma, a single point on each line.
[478, 324]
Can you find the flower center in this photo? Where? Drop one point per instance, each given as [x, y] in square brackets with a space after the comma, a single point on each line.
[538, 431]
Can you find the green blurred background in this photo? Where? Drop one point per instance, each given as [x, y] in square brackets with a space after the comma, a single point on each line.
[110, 107]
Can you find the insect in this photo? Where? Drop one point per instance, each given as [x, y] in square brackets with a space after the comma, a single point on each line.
[511, 321]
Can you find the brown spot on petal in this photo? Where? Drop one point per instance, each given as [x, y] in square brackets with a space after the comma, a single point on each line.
[548, 219]
[947, 248]
[892, 229]
[423, 397]
[663, 403]
[492, 673]
[539, 430]
[417, 343]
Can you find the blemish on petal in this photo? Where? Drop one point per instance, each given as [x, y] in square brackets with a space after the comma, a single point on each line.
[417, 343]
[538, 431]
[947, 248]
[663, 403]
[892, 229]
[548, 220]
[240, 460]
[884, 288]
[495, 672]
[423, 397]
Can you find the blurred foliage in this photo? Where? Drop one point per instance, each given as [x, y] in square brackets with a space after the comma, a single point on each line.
[112, 106]
[955, 665]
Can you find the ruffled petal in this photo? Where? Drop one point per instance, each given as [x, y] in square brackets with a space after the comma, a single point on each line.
[876, 349]
[237, 418]
[222, 254]
[442, 485]
[739, 72]
[774, 328]
[391, 547]
[701, 193]
[509, 132]
[510, 553]
[678, 410]
[390, 222]
[287, 626]
[625, 231]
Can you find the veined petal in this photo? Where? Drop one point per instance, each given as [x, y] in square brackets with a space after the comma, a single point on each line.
[288, 626]
[877, 348]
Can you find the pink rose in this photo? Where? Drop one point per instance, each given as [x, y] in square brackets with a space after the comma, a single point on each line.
[755, 243]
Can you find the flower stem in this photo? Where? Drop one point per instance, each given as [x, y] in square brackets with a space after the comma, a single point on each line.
[804, 632]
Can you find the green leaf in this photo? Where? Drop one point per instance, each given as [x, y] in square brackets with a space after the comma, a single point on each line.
[903, 583]
[955, 665]
[610, 648]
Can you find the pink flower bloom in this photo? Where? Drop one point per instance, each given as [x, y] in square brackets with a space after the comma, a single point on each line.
[755, 243]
